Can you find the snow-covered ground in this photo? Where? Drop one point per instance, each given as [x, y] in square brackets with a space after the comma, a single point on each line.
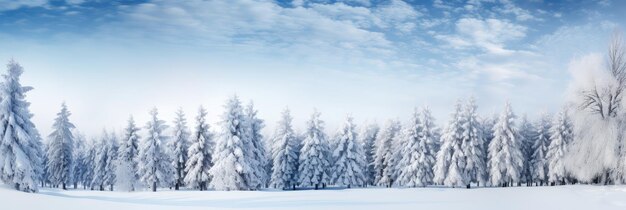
[535, 198]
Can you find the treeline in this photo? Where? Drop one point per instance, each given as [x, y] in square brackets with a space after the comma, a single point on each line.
[471, 150]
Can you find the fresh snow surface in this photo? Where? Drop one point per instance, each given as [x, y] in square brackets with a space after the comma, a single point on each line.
[536, 198]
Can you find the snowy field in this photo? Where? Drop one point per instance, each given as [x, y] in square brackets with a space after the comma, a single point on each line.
[536, 198]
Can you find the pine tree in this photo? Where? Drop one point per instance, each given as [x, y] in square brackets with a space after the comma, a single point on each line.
[79, 155]
[126, 173]
[383, 157]
[473, 145]
[100, 162]
[260, 159]
[561, 134]
[314, 155]
[416, 150]
[112, 146]
[539, 164]
[285, 155]
[233, 160]
[527, 133]
[90, 163]
[505, 154]
[368, 138]
[154, 163]
[20, 152]
[179, 146]
[200, 154]
[61, 149]
[349, 157]
[449, 168]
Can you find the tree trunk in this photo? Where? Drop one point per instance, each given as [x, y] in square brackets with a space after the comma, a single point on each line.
[111, 187]
[348, 186]
[316, 187]
[64, 186]
[17, 186]
[468, 186]
[293, 187]
[153, 186]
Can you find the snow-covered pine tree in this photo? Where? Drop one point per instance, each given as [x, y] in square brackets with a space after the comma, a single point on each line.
[383, 157]
[90, 163]
[527, 133]
[314, 155]
[232, 159]
[179, 146]
[505, 154]
[154, 163]
[200, 154]
[127, 170]
[539, 162]
[79, 155]
[20, 152]
[61, 149]
[349, 157]
[111, 162]
[561, 134]
[100, 162]
[260, 158]
[368, 137]
[285, 155]
[473, 145]
[416, 149]
[450, 165]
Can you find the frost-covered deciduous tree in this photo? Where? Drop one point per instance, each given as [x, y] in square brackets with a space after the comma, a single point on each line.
[20, 151]
[154, 162]
[561, 134]
[233, 159]
[384, 154]
[127, 170]
[259, 158]
[285, 155]
[368, 137]
[505, 154]
[348, 156]
[473, 145]
[417, 151]
[61, 150]
[314, 155]
[539, 161]
[179, 146]
[449, 168]
[527, 136]
[200, 154]
[596, 154]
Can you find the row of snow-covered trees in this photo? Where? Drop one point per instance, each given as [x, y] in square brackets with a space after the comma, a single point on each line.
[582, 143]
[495, 152]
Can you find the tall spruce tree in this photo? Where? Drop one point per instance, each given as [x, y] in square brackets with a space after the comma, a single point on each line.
[473, 145]
[416, 150]
[21, 149]
[368, 137]
[285, 155]
[79, 155]
[233, 161]
[561, 134]
[539, 162]
[349, 157]
[179, 147]
[61, 150]
[259, 158]
[112, 147]
[200, 154]
[449, 168]
[314, 155]
[101, 153]
[527, 133]
[385, 154]
[505, 153]
[154, 163]
[127, 170]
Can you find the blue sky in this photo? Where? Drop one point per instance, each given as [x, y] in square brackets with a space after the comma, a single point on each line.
[374, 59]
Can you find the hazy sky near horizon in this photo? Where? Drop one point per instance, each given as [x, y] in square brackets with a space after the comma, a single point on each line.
[374, 59]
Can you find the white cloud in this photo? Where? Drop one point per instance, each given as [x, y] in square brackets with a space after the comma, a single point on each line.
[13, 4]
[489, 35]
